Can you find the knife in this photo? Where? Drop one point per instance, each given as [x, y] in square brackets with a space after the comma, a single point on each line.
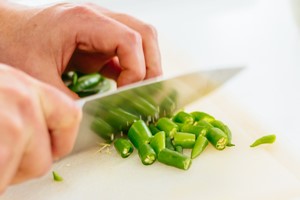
[149, 100]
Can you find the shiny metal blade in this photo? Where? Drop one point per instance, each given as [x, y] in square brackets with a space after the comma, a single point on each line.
[110, 113]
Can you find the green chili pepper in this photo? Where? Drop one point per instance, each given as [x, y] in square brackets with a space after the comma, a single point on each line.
[74, 78]
[169, 144]
[200, 144]
[195, 129]
[183, 117]
[268, 139]
[225, 129]
[103, 129]
[141, 105]
[180, 125]
[179, 149]
[175, 159]
[168, 104]
[153, 129]
[147, 154]
[102, 86]
[86, 82]
[123, 147]
[158, 142]
[217, 138]
[56, 176]
[139, 133]
[202, 116]
[167, 125]
[186, 140]
[119, 118]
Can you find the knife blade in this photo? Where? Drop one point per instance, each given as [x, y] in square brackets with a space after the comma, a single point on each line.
[148, 100]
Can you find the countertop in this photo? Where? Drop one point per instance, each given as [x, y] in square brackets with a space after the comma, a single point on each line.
[261, 35]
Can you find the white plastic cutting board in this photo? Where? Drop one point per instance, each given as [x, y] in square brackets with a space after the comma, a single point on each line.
[236, 173]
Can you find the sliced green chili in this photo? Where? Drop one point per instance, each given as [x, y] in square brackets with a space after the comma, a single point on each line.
[267, 139]
[186, 140]
[183, 117]
[139, 133]
[168, 105]
[175, 159]
[202, 116]
[153, 129]
[167, 125]
[169, 143]
[123, 147]
[158, 142]
[179, 149]
[200, 144]
[119, 118]
[103, 129]
[197, 130]
[224, 128]
[56, 176]
[217, 138]
[147, 154]
[204, 125]
[148, 111]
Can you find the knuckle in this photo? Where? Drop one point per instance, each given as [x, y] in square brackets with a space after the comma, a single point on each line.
[78, 10]
[149, 31]
[140, 74]
[133, 38]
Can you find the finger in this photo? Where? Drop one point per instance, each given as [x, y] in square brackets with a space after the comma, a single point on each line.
[121, 41]
[11, 147]
[62, 117]
[55, 79]
[88, 62]
[149, 40]
[38, 148]
[112, 69]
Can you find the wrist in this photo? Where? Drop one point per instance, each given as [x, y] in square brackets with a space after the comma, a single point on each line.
[11, 19]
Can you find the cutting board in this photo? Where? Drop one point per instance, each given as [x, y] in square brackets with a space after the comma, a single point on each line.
[266, 172]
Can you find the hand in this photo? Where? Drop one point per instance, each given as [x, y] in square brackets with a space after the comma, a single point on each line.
[38, 124]
[44, 42]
